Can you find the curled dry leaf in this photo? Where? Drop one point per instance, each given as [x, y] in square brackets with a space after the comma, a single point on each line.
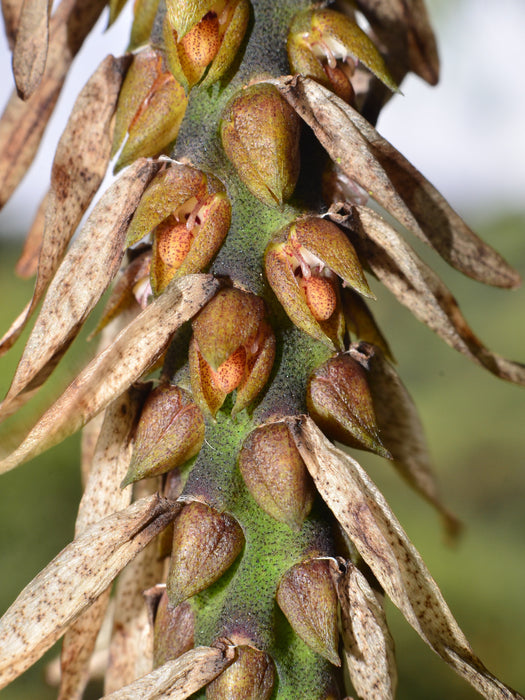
[416, 286]
[131, 647]
[88, 443]
[102, 497]
[367, 519]
[82, 278]
[27, 264]
[23, 123]
[99, 657]
[14, 331]
[30, 51]
[180, 678]
[10, 15]
[367, 158]
[79, 166]
[91, 432]
[367, 642]
[401, 429]
[78, 647]
[73, 580]
[343, 141]
[121, 364]
[439, 225]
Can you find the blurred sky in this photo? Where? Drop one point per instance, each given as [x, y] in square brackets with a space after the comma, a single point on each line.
[467, 135]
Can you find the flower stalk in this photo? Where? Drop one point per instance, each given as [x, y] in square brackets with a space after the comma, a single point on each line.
[240, 296]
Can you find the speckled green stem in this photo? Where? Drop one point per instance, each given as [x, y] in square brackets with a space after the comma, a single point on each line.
[242, 602]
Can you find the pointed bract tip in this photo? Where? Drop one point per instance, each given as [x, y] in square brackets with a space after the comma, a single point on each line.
[260, 135]
[307, 596]
[205, 544]
[276, 474]
[339, 401]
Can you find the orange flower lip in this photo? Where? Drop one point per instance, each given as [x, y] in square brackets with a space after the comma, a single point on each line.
[200, 47]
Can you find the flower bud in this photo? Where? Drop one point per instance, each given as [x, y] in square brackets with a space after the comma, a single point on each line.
[173, 630]
[170, 432]
[186, 245]
[302, 263]
[307, 596]
[276, 474]
[233, 347]
[250, 677]
[150, 109]
[260, 134]
[205, 545]
[327, 45]
[339, 401]
[189, 215]
[202, 38]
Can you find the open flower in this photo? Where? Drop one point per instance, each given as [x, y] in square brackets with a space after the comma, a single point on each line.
[302, 264]
[327, 45]
[202, 39]
[188, 214]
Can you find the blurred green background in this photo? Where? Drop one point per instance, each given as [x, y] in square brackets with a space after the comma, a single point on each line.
[475, 427]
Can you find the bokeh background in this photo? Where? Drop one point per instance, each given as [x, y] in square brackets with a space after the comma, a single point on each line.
[467, 137]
